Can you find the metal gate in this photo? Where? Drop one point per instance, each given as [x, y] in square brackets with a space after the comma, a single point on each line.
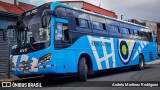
[3, 54]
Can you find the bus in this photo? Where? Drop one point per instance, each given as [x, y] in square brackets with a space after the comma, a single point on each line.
[55, 38]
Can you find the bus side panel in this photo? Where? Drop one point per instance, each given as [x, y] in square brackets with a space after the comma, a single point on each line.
[106, 52]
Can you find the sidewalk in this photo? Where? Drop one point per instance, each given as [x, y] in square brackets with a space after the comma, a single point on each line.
[155, 62]
[3, 77]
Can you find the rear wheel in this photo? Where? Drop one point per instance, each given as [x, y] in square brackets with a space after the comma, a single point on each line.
[82, 69]
[141, 64]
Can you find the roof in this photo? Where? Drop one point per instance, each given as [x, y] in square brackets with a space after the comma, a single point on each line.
[12, 8]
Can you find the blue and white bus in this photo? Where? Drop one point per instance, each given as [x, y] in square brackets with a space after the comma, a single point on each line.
[59, 39]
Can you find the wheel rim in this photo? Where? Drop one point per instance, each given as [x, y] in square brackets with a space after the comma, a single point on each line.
[86, 68]
[142, 64]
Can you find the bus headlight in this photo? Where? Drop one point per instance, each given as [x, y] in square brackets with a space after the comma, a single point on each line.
[46, 58]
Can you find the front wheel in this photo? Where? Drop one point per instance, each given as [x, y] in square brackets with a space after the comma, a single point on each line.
[141, 64]
[82, 69]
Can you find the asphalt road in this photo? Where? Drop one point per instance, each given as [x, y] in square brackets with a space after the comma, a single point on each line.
[150, 73]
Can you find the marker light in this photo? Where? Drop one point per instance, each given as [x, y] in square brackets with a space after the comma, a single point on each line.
[46, 58]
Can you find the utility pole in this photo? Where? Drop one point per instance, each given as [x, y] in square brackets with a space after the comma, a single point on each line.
[99, 3]
[9, 57]
[122, 17]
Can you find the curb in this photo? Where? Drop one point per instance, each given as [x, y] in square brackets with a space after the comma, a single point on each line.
[154, 62]
[9, 80]
[18, 79]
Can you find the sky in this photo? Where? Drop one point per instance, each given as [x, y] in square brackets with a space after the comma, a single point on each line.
[130, 9]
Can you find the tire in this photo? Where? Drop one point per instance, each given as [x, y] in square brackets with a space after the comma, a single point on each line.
[82, 69]
[141, 64]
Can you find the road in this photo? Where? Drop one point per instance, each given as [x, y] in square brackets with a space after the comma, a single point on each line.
[150, 73]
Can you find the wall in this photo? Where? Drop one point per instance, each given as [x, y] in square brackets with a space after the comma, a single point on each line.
[158, 37]
[153, 26]
[11, 1]
[3, 54]
[4, 21]
[92, 8]
[76, 4]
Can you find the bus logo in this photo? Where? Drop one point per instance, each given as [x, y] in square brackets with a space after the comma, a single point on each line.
[125, 50]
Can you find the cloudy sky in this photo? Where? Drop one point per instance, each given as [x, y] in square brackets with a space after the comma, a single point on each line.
[131, 9]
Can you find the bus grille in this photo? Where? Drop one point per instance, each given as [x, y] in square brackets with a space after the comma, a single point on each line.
[151, 55]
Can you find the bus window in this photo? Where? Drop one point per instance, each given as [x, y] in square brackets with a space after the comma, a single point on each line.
[65, 33]
[99, 26]
[113, 29]
[61, 32]
[58, 32]
[135, 32]
[125, 31]
[149, 36]
[61, 12]
[130, 32]
[83, 23]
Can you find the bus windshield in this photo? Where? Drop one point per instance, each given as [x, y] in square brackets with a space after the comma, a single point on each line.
[29, 31]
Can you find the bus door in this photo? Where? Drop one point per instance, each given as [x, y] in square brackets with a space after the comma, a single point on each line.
[61, 42]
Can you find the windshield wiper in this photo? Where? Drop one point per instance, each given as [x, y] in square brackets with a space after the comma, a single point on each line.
[31, 45]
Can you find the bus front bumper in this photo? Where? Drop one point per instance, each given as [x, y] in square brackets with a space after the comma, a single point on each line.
[36, 70]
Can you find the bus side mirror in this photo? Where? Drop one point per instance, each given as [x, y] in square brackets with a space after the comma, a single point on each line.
[45, 17]
[7, 32]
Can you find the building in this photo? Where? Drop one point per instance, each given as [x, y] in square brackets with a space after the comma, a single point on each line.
[9, 11]
[158, 37]
[89, 7]
[152, 25]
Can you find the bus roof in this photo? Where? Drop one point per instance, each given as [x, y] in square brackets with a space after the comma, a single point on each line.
[100, 15]
[56, 4]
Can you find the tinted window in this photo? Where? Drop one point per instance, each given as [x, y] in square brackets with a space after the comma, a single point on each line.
[135, 32]
[149, 36]
[114, 29]
[61, 12]
[125, 31]
[58, 31]
[100, 26]
[61, 32]
[82, 23]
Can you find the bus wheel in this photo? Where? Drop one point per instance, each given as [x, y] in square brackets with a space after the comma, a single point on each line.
[82, 69]
[141, 63]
